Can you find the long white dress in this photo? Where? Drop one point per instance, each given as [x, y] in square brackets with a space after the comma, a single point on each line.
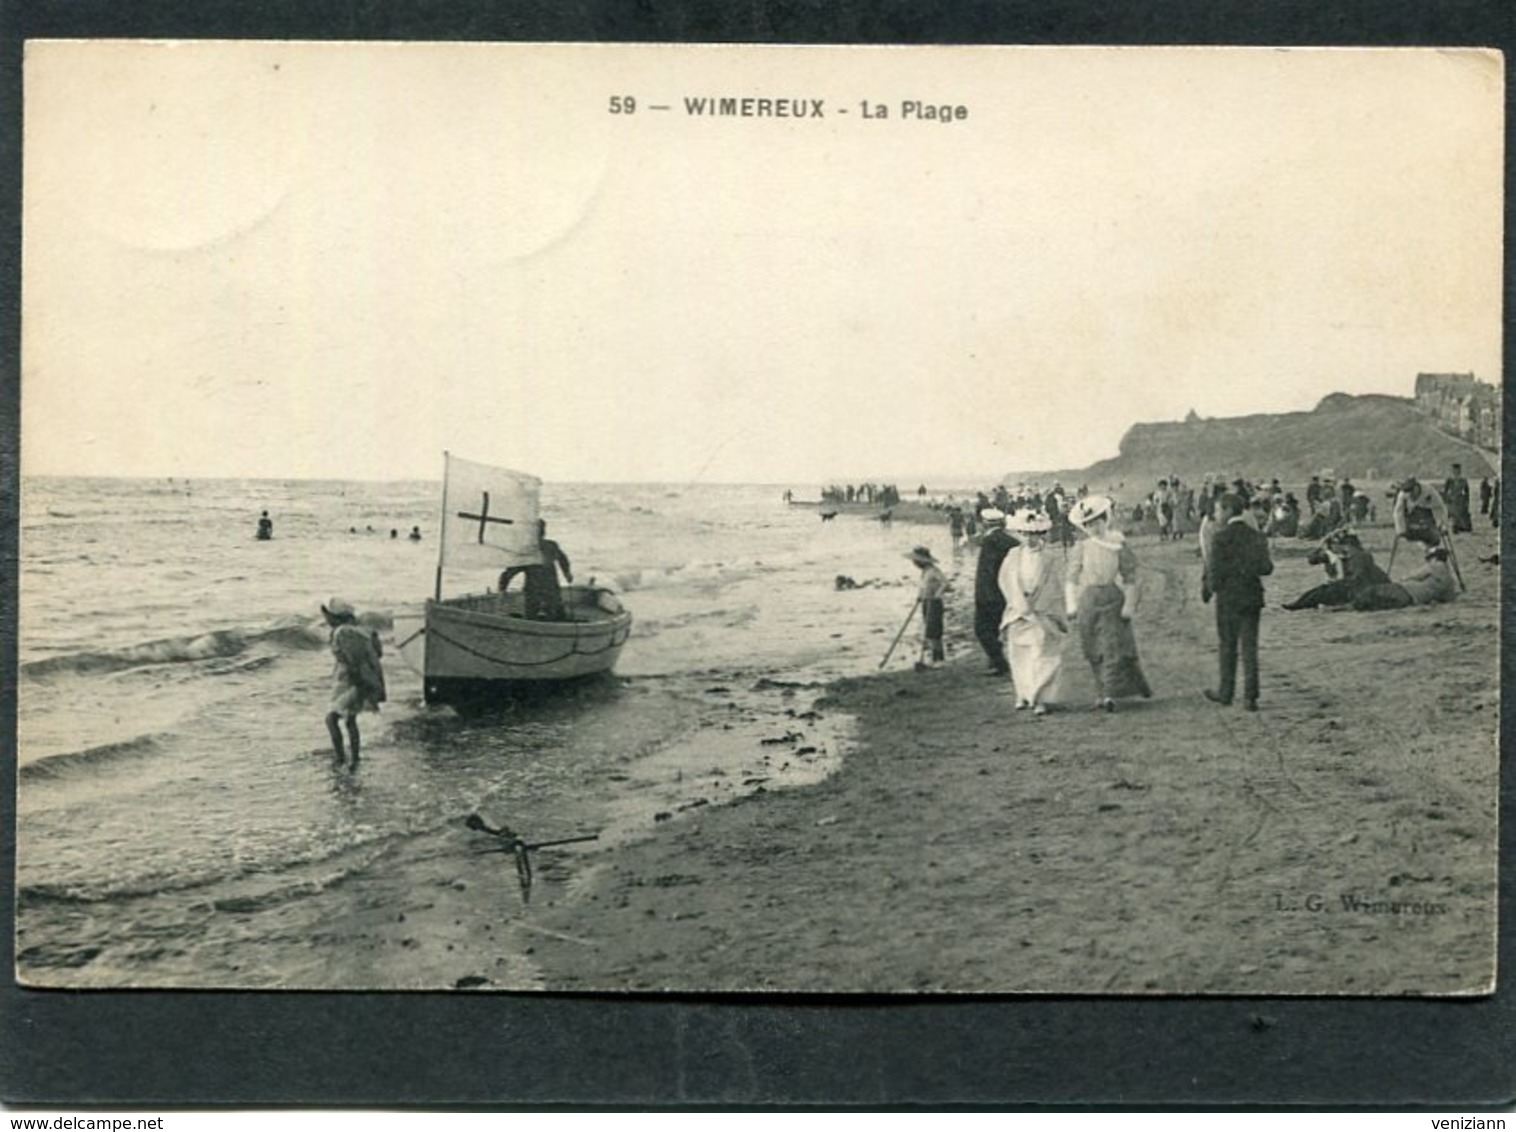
[1034, 623]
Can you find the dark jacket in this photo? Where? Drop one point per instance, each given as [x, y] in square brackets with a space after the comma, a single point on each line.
[1239, 560]
[992, 551]
[1359, 568]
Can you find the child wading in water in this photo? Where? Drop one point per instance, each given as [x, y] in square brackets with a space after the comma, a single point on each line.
[929, 594]
[357, 679]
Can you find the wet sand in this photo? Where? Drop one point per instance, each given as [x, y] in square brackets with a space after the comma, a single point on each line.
[1341, 840]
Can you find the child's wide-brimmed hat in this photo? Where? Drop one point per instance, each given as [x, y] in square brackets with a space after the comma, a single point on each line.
[337, 607]
[922, 556]
[1029, 522]
[1088, 509]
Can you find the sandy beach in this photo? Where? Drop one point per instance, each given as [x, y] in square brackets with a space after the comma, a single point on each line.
[1342, 840]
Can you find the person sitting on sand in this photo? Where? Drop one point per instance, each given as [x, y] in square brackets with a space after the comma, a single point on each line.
[1420, 513]
[357, 678]
[1100, 593]
[1284, 519]
[1432, 584]
[1034, 621]
[930, 595]
[1329, 514]
[1350, 566]
[542, 599]
[415, 535]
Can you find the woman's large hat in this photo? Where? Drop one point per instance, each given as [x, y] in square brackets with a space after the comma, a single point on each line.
[922, 556]
[1088, 509]
[1029, 522]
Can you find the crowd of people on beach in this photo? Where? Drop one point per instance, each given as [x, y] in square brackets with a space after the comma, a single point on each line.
[1027, 602]
[885, 495]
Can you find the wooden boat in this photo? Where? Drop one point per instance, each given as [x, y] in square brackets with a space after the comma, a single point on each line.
[482, 646]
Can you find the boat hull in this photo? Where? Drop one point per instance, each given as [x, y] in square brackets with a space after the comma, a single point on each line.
[481, 647]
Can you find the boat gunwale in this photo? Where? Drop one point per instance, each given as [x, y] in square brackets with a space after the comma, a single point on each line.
[517, 625]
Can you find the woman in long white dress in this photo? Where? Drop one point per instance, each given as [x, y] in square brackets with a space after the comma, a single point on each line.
[1034, 622]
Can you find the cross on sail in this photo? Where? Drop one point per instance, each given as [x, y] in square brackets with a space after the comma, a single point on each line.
[489, 516]
[484, 516]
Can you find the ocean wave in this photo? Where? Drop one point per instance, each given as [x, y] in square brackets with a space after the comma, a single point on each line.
[734, 617]
[235, 891]
[295, 636]
[278, 894]
[692, 573]
[68, 763]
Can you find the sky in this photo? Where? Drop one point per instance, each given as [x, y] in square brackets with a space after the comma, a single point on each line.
[285, 260]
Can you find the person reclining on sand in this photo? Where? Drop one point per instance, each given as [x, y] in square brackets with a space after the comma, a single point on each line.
[1431, 584]
[1351, 567]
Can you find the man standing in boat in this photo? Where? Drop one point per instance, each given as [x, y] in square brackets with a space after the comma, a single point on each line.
[543, 600]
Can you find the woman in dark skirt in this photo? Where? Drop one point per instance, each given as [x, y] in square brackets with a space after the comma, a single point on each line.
[1101, 590]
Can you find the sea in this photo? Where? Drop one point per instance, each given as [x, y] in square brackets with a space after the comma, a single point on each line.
[180, 821]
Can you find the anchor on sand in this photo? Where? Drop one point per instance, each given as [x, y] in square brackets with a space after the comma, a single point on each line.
[511, 842]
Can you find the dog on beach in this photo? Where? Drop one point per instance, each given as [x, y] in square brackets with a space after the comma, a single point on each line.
[828, 516]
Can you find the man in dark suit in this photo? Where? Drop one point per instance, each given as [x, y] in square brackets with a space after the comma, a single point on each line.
[1455, 493]
[989, 602]
[1238, 562]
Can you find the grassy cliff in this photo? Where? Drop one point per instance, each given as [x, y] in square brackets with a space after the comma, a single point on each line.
[1367, 438]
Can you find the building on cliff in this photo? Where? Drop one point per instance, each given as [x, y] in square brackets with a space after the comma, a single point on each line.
[1461, 404]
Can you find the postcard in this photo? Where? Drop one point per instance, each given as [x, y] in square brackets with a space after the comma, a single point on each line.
[667, 517]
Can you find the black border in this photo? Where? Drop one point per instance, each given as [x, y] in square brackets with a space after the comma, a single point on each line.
[198, 1049]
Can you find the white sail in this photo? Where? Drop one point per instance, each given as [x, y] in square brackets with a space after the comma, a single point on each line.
[489, 517]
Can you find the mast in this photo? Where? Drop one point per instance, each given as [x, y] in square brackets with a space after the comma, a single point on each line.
[441, 526]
